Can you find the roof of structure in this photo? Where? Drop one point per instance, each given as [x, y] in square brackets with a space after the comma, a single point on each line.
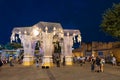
[42, 25]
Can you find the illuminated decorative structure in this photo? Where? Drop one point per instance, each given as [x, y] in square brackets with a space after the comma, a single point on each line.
[45, 32]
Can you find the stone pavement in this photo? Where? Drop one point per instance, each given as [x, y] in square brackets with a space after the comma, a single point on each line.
[75, 72]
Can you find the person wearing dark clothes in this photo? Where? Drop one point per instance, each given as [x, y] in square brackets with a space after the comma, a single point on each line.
[98, 64]
[37, 63]
[92, 64]
[1, 64]
[64, 61]
[58, 61]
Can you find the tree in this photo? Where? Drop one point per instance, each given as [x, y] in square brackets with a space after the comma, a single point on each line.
[13, 46]
[8, 46]
[1, 46]
[16, 45]
[111, 21]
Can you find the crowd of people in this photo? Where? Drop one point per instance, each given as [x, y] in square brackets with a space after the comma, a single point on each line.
[97, 63]
[11, 60]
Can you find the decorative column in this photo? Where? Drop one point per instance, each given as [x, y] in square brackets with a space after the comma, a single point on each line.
[48, 49]
[28, 50]
[68, 43]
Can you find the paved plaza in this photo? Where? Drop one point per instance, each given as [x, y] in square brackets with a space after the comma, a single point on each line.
[75, 72]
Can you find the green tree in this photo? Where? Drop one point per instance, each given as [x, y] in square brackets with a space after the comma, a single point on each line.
[16, 45]
[8, 46]
[13, 46]
[1, 46]
[111, 21]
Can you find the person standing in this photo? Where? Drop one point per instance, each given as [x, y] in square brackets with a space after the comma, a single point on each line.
[64, 61]
[0, 64]
[11, 60]
[97, 64]
[58, 61]
[113, 61]
[92, 64]
[102, 62]
[37, 62]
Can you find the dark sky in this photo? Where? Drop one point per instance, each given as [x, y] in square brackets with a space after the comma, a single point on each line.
[85, 15]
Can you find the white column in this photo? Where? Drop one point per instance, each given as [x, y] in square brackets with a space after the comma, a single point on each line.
[68, 43]
[28, 51]
[48, 49]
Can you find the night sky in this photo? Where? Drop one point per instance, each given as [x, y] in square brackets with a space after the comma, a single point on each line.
[85, 15]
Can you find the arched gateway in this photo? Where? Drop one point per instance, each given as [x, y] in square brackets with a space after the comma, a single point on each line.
[47, 33]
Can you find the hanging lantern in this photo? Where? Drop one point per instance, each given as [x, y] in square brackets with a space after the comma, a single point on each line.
[19, 32]
[25, 32]
[74, 39]
[54, 29]
[35, 32]
[46, 29]
[10, 40]
[79, 38]
[13, 36]
[16, 38]
[67, 33]
[61, 30]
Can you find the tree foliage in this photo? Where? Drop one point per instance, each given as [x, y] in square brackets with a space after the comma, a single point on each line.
[1, 46]
[111, 21]
[13, 46]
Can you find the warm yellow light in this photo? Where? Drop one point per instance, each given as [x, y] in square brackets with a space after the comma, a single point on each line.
[73, 34]
[46, 28]
[54, 28]
[67, 33]
[35, 32]
[25, 32]
[19, 32]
